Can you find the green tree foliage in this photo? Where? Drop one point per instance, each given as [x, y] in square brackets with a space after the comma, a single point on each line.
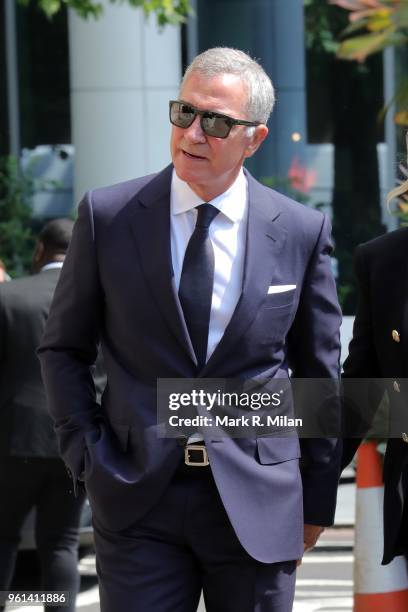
[16, 235]
[375, 25]
[166, 11]
[320, 26]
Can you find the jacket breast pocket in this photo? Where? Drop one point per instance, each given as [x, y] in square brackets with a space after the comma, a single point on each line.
[279, 300]
[273, 323]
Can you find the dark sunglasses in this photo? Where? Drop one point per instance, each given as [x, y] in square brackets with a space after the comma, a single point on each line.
[182, 115]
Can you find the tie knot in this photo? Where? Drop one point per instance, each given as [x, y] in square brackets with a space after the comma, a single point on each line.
[206, 213]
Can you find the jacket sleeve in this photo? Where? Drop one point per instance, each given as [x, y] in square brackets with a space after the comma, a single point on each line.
[361, 398]
[362, 358]
[68, 349]
[314, 353]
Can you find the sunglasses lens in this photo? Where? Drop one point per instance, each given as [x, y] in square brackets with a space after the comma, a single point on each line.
[181, 115]
[217, 126]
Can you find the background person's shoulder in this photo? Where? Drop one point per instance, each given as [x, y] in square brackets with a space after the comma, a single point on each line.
[21, 295]
[395, 239]
[390, 246]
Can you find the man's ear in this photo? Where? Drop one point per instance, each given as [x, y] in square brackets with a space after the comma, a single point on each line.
[38, 252]
[259, 135]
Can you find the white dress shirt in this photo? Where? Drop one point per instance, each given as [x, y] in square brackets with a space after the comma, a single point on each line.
[54, 265]
[228, 236]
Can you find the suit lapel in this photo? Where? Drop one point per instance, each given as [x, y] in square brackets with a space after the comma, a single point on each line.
[265, 239]
[150, 224]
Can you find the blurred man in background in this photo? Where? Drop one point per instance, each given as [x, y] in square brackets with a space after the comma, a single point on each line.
[31, 472]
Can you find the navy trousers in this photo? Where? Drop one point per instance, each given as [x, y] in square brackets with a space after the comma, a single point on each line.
[186, 544]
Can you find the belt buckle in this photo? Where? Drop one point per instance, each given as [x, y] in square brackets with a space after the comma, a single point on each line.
[199, 448]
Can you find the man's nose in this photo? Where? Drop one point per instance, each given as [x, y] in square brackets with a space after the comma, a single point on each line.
[194, 133]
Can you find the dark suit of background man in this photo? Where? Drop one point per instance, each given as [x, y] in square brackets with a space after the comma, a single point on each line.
[165, 529]
[31, 471]
[379, 349]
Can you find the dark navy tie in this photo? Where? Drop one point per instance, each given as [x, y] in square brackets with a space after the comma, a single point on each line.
[197, 280]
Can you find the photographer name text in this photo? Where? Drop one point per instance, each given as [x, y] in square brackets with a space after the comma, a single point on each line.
[252, 420]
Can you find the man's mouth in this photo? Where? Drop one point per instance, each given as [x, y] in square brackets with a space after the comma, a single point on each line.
[191, 156]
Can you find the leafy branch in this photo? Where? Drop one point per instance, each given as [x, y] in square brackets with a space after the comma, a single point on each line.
[166, 11]
[375, 25]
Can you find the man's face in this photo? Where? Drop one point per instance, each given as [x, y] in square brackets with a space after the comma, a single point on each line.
[2, 275]
[208, 164]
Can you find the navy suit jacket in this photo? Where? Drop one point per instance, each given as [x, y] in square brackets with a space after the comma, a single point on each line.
[116, 286]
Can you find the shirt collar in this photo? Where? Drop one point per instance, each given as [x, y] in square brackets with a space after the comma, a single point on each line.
[54, 265]
[232, 203]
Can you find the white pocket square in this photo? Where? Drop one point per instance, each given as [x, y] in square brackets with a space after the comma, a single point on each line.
[280, 288]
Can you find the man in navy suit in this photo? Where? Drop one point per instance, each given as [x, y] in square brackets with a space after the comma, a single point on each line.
[196, 272]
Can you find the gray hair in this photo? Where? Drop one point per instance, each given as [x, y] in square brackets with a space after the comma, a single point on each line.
[224, 60]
